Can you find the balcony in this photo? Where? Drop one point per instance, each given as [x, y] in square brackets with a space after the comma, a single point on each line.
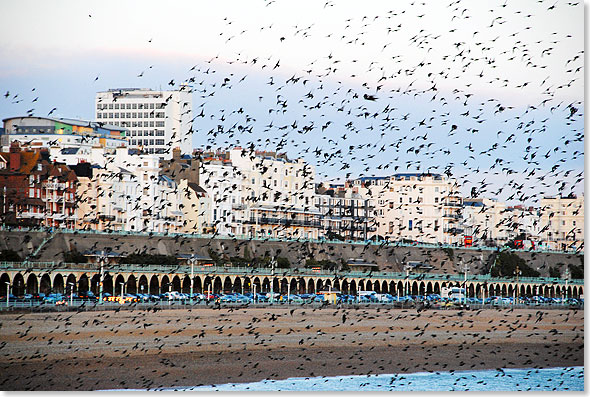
[288, 222]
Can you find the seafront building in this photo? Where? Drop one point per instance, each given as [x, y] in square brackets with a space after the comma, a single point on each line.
[35, 191]
[562, 222]
[158, 121]
[414, 206]
[345, 214]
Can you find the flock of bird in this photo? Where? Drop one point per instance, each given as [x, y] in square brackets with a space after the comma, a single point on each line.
[428, 108]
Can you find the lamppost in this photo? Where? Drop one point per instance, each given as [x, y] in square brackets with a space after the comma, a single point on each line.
[407, 286]
[101, 261]
[272, 280]
[192, 262]
[71, 293]
[466, 269]
[7, 293]
[122, 290]
[517, 273]
[567, 278]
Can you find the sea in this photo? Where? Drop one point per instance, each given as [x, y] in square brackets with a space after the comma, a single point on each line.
[500, 379]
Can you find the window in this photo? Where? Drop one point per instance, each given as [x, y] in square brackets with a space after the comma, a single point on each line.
[410, 224]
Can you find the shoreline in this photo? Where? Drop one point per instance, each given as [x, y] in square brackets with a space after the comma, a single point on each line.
[187, 348]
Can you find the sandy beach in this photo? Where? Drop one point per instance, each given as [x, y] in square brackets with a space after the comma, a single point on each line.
[189, 347]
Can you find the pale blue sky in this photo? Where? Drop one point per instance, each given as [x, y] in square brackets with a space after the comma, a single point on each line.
[515, 67]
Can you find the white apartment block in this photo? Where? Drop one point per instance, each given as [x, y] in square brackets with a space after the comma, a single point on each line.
[412, 206]
[222, 182]
[562, 222]
[345, 214]
[278, 194]
[158, 121]
[485, 220]
[129, 194]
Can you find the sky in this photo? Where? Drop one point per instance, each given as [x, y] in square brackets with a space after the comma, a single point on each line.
[490, 93]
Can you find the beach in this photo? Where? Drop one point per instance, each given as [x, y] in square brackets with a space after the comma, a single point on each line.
[140, 349]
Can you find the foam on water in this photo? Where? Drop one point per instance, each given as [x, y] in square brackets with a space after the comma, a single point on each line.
[546, 379]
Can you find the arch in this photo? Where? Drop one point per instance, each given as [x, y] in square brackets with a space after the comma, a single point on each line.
[522, 291]
[415, 288]
[227, 285]
[327, 284]
[421, 288]
[198, 286]
[401, 288]
[45, 284]
[70, 283]
[293, 286]
[120, 285]
[377, 286]
[257, 285]
[352, 289]
[470, 290]
[575, 292]
[18, 285]
[384, 287]
[5, 278]
[310, 286]
[336, 285]
[32, 284]
[165, 285]
[131, 284]
[154, 285]
[301, 286]
[238, 287]
[504, 291]
[208, 285]
[580, 291]
[392, 288]
[217, 285]
[186, 284]
[247, 284]
[284, 286]
[319, 285]
[83, 284]
[142, 285]
[436, 288]
[58, 283]
[176, 284]
[369, 285]
[107, 284]
[361, 285]
[528, 291]
[428, 288]
[344, 287]
[558, 291]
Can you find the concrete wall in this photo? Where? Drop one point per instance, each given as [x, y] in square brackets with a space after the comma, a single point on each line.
[388, 258]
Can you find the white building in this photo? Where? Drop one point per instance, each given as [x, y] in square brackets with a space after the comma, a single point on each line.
[223, 184]
[345, 214]
[562, 222]
[486, 221]
[412, 206]
[130, 194]
[158, 121]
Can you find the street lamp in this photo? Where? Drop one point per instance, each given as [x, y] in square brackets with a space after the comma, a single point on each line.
[71, 293]
[466, 268]
[7, 293]
[407, 268]
[122, 290]
[567, 278]
[272, 280]
[192, 262]
[517, 273]
[101, 261]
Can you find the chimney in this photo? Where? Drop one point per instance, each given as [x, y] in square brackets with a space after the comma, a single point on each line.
[14, 156]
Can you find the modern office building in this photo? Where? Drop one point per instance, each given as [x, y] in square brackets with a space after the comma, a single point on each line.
[158, 121]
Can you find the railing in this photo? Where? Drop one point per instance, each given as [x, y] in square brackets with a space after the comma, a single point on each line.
[279, 272]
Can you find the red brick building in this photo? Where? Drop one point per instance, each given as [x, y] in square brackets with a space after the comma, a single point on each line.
[34, 191]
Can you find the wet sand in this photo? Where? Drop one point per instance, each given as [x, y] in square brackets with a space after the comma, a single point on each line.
[168, 348]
